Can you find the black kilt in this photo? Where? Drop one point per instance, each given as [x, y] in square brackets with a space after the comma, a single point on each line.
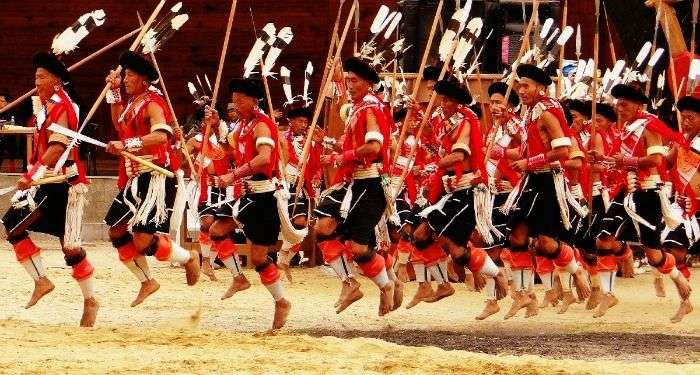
[302, 206]
[51, 201]
[257, 215]
[208, 207]
[679, 237]
[618, 223]
[499, 219]
[455, 220]
[537, 206]
[120, 212]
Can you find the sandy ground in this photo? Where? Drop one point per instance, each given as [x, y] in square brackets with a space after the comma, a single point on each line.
[184, 329]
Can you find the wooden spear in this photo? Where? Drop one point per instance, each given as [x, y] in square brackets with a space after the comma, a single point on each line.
[74, 67]
[188, 157]
[417, 82]
[594, 105]
[675, 89]
[560, 82]
[319, 102]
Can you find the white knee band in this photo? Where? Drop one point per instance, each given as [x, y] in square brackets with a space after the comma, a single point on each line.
[437, 274]
[547, 280]
[489, 268]
[490, 288]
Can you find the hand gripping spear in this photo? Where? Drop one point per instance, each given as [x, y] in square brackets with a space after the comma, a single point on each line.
[319, 101]
[96, 105]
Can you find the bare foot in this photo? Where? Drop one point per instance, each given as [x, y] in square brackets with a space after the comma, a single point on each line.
[684, 309]
[501, 286]
[424, 293]
[443, 290]
[398, 294]
[583, 289]
[90, 307]
[192, 268]
[520, 300]
[566, 302]
[594, 299]
[469, 282]
[350, 293]
[238, 284]
[386, 298]
[551, 297]
[682, 286]
[490, 309]
[282, 308]
[42, 287]
[148, 287]
[606, 302]
[532, 306]
[208, 270]
[659, 287]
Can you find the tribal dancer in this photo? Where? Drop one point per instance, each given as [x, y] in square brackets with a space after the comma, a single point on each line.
[685, 239]
[532, 213]
[139, 218]
[638, 212]
[351, 210]
[54, 208]
[502, 178]
[257, 210]
[456, 192]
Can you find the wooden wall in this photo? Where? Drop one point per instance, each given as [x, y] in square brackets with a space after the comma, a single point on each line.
[28, 26]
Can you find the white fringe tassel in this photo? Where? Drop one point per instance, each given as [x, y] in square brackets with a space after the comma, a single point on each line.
[179, 206]
[560, 188]
[483, 212]
[155, 199]
[671, 218]
[289, 232]
[77, 198]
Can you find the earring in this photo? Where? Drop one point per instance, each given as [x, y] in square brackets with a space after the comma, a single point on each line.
[541, 92]
[56, 88]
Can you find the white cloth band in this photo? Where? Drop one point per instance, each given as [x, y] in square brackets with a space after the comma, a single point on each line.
[374, 136]
[264, 141]
[559, 142]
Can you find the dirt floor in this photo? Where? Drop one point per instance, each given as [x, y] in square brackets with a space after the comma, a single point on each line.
[184, 329]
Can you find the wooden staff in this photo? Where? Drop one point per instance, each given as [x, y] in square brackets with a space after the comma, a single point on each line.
[694, 21]
[334, 42]
[417, 82]
[675, 89]
[511, 80]
[426, 118]
[611, 45]
[647, 89]
[481, 90]
[319, 102]
[74, 67]
[220, 70]
[172, 110]
[594, 105]
[561, 50]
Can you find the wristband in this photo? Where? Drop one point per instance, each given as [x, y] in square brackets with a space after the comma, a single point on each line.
[132, 144]
[536, 162]
[630, 161]
[36, 173]
[497, 152]
[114, 96]
[242, 171]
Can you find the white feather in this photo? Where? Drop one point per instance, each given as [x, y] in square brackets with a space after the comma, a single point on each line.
[618, 68]
[307, 74]
[467, 6]
[206, 79]
[655, 57]
[178, 21]
[546, 27]
[176, 8]
[460, 53]
[565, 35]
[68, 40]
[287, 88]
[460, 16]
[285, 35]
[379, 19]
[392, 26]
[643, 53]
[694, 70]
[475, 26]
[578, 39]
[192, 89]
[580, 70]
[551, 37]
[257, 51]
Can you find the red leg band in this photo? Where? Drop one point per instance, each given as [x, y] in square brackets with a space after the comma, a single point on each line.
[566, 255]
[433, 253]
[165, 247]
[607, 263]
[626, 254]
[389, 261]
[683, 268]
[404, 246]
[204, 238]
[544, 265]
[269, 274]
[668, 265]
[25, 248]
[82, 270]
[128, 252]
[331, 249]
[477, 258]
[225, 248]
[295, 248]
[521, 260]
[373, 267]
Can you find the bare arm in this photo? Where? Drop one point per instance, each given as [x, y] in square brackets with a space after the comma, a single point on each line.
[460, 149]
